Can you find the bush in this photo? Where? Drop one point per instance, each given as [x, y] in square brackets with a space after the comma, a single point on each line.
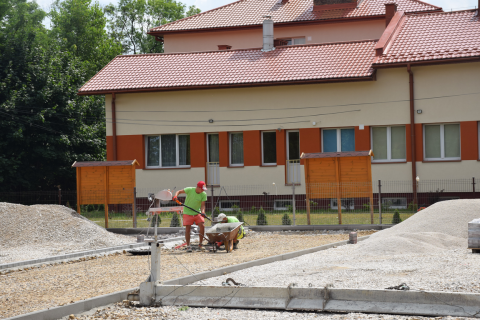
[175, 222]
[412, 207]
[253, 209]
[313, 203]
[159, 220]
[286, 221]
[289, 208]
[396, 217]
[239, 216]
[216, 212]
[262, 217]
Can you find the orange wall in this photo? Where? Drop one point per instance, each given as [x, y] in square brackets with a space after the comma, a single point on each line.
[252, 154]
[198, 150]
[362, 139]
[469, 140]
[281, 148]
[223, 149]
[309, 141]
[128, 148]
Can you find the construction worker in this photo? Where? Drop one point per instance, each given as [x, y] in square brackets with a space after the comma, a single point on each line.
[196, 198]
[222, 218]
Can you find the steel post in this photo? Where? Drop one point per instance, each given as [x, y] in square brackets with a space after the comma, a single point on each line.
[380, 201]
[134, 209]
[293, 203]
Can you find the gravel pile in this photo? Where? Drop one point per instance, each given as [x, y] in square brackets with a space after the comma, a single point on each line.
[39, 231]
[428, 252]
[120, 311]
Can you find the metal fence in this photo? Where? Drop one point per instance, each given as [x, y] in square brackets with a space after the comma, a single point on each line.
[315, 204]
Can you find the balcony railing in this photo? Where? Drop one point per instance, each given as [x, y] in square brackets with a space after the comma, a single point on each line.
[293, 171]
[213, 173]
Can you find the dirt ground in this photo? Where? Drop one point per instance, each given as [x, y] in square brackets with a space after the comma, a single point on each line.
[34, 289]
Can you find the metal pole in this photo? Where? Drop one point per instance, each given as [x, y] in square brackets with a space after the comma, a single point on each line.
[60, 195]
[293, 202]
[473, 185]
[213, 202]
[380, 201]
[134, 210]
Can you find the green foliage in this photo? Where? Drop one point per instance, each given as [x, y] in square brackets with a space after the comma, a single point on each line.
[216, 212]
[289, 208]
[235, 208]
[253, 209]
[313, 203]
[159, 220]
[239, 216]
[261, 217]
[183, 308]
[286, 221]
[175, 222]
[130, 20]
[412, 207]
[396, 217]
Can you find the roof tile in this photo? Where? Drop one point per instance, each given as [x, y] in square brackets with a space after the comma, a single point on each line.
[250, 12]
[230, 67]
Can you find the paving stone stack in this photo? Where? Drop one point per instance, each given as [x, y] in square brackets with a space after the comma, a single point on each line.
[474, 235]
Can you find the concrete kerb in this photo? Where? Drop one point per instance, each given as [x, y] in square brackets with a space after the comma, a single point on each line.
[76, 255]
[86, 305]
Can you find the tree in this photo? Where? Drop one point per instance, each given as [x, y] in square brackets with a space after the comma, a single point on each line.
[80, 28]
[130, 21]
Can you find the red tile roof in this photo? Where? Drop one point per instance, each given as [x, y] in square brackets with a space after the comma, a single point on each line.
[433, 36]
[287, 64]
[251, 12]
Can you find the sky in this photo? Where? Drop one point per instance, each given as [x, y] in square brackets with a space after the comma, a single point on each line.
[205, 5]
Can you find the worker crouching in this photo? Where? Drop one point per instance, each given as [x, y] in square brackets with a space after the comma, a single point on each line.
[222, 218]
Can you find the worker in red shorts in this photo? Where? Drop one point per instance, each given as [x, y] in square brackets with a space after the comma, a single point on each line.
[196, 198]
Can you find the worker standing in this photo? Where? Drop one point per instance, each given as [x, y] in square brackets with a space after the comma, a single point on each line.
[196, 198]
[222, 218]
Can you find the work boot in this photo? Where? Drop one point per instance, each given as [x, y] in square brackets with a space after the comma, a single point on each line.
[235, 246]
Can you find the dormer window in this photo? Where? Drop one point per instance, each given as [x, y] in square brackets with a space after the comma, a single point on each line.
[334, 4]
[289, 41]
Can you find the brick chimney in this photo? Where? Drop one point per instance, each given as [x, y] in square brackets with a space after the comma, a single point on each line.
[390, 10]
[285, 1]
[224, 47]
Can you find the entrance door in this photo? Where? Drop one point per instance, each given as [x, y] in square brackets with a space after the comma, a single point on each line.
[213, 160]
[293, 156]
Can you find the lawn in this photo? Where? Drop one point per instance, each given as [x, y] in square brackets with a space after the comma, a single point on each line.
[121, 220]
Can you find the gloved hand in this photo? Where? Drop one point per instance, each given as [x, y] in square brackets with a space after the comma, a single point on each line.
[203, 215]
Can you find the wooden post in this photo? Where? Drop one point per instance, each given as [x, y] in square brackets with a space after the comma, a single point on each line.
[339, 197]
[134, 202]
[78, 190]
[307, 187]
[106, 197]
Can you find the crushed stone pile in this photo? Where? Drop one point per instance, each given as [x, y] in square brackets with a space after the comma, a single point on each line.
[442, 226]
[33, 232]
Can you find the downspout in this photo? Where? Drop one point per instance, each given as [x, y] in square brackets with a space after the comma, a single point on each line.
[114, 128]
[412, 134]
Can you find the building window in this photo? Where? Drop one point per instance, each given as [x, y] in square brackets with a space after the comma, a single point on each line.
[269, 148]
[347, 204]
[213, 148]
[395, 203]
[229, 205]
[441, 142]
[289, 41]
[389, 144]
[282, 204]
[337, 140]
[168, 150]
[236, 149]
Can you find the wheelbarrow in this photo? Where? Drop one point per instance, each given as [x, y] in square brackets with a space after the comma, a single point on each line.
[223, 232]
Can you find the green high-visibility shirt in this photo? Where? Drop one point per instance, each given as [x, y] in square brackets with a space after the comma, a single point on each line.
[194, 200]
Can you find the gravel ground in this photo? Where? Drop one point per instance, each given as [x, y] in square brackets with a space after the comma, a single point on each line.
[57, 284]
[427, 251]
[40, 231]
[120, 311]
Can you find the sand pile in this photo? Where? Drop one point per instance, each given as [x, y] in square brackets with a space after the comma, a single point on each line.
[30, 232]
[441, 226]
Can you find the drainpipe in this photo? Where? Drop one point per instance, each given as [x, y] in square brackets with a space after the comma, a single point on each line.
[114, 128]
[412, 134]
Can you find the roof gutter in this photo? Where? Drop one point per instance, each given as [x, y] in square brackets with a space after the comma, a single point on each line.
[425, 63]
[226, 86]
[412, 134]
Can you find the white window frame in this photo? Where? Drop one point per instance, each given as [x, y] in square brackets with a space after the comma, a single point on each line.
[384, 200]
[267, 163]
[292, 40]
[230, 150]
[442, 142]
[237, 202]
[389, 144]
[288, 143]
[160, 153]
[339, 137]
[277, 208]
[351, 200]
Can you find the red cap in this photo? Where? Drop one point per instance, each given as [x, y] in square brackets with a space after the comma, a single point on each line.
[201, 184]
